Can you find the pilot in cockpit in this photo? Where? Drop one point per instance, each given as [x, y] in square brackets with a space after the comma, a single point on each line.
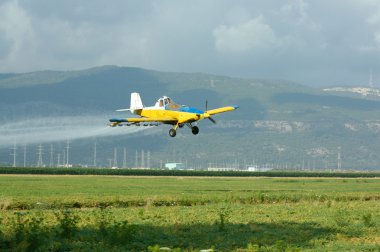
[167, 103]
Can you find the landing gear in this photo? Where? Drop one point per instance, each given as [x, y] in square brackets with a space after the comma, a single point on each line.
[172, 132]
[195, 130]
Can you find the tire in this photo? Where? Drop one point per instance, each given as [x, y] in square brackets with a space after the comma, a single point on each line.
[172, 132]
[195, 130]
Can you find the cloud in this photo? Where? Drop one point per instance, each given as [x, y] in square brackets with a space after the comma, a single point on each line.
[16, 34]
[250, 36]
[300, 40]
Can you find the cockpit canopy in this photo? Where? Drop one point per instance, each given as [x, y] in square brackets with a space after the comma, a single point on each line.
[166, 102]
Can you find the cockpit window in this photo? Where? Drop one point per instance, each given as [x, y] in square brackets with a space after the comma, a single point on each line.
[160, 103]
[167, 103]
[173, 105]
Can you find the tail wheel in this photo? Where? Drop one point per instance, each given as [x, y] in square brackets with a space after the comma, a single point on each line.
[195, 130]
[172, 132]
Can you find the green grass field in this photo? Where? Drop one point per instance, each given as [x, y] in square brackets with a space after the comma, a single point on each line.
[112, 213]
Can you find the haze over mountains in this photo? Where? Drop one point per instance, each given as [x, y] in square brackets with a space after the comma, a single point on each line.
[279, 123]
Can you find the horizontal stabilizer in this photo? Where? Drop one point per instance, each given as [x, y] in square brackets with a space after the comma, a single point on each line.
[126, 109]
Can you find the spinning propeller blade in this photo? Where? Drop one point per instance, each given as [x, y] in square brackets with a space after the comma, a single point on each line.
[210, 118]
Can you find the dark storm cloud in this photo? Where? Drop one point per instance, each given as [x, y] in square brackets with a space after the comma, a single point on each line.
[311, 42]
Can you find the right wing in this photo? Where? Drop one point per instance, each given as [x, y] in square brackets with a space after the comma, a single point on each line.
[221, 110]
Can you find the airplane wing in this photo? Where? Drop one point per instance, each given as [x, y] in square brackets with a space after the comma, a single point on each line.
[116, 121]
[221, 110]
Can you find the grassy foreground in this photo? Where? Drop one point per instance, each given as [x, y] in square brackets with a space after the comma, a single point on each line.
[110, 213]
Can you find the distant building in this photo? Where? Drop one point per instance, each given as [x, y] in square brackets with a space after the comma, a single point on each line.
[222, 169]
[258, 169]
[175, 166]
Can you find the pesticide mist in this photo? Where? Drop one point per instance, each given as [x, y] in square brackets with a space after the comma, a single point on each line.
[50, 129]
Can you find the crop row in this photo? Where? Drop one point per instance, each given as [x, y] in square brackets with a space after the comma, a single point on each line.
[252, 199]
[156, 172]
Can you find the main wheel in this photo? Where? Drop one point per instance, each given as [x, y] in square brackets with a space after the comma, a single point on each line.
[172, 132]
[195, 130]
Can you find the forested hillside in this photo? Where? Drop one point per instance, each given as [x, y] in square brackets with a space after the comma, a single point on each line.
[279, 124]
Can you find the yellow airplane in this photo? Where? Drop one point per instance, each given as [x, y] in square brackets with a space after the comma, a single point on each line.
[168, 112]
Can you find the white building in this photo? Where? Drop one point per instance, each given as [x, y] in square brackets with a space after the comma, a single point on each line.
[175, 166]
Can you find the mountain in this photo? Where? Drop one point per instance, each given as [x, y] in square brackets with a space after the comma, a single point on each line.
[279, 123]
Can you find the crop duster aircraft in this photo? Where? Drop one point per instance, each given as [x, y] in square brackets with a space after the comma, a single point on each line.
[168, 112]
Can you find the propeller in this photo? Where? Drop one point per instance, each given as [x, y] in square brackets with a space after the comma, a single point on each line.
[209, 117]
[212, 120]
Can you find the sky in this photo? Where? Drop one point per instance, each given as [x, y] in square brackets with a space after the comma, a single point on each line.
[317, 43]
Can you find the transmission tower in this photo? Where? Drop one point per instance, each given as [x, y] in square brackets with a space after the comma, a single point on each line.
[137, 159]
[339, 161]
[115, 157]
[58, 159]
[148, 160]
[14, 153]
[67, 153]
[95, 154]
[370, 81]
[51, 163]
[39, 152]
[125, 158]
[24, 155]
[142, 159]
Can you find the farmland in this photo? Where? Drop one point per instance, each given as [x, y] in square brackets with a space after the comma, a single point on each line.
[113, 213]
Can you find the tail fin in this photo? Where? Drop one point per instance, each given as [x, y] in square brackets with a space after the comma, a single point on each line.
[136, 103]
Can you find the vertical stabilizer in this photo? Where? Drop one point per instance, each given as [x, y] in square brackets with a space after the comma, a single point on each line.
[136, 103]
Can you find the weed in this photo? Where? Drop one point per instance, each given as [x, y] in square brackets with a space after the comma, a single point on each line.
[368, 220]
[341, 218]
[224, 214]
[67, 223]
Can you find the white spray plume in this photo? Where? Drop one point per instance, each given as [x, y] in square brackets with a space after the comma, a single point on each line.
[51, 129]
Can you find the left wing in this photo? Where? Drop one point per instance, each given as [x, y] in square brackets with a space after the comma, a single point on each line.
[221, 110]
[116, 121]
